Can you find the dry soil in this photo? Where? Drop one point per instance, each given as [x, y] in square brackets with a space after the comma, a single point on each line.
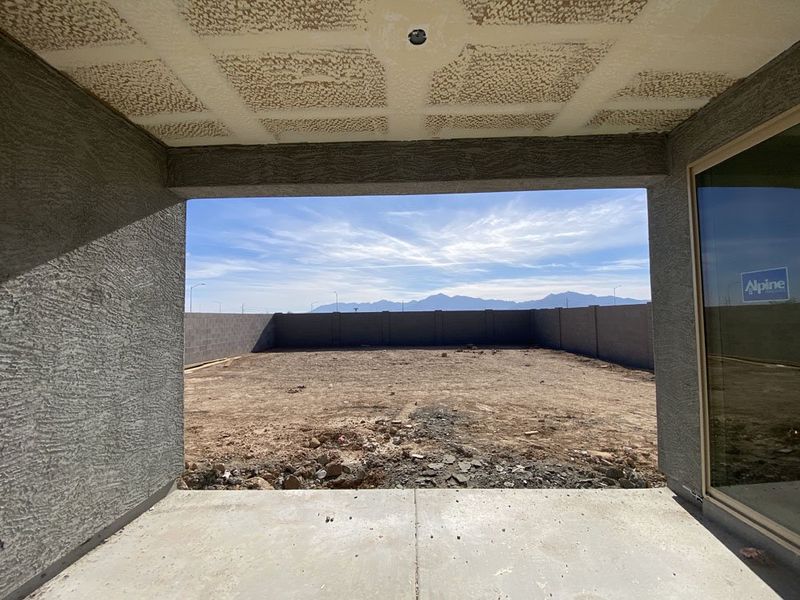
[448, 417]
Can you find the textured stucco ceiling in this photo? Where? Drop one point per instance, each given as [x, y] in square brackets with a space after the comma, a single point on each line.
[198, 72]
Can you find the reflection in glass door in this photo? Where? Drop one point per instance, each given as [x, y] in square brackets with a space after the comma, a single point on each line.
[748, 220]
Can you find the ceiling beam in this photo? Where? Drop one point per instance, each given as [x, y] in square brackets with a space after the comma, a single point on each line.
[419, 167]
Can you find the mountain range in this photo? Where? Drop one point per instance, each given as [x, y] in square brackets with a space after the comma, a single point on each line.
[445, 302]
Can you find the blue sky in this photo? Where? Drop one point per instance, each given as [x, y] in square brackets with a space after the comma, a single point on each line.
[744, 229]
[283, 254]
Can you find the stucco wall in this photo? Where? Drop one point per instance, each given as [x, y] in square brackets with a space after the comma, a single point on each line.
[767, 93]
[208, 336]
[419, 167]
[91, 318]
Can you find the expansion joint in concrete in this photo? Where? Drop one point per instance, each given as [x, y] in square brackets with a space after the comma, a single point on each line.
[416, 547]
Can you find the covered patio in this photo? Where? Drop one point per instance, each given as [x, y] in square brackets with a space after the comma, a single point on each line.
[427, 544]
[114, 112]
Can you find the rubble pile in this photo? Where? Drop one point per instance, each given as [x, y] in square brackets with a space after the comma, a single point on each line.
[420, 452]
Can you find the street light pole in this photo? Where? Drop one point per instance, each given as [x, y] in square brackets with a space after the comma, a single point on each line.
[190, 293]
[337, 301]
[219, 304]
[615, 293]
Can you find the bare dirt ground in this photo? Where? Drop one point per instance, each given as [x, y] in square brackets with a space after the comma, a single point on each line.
[448, 417]
[755, 421]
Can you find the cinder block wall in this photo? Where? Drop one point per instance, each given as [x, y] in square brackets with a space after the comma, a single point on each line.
[620, 334]
[546, 327]
[765, 332]
[91, 321]
[767, 93]
[625, 334]
[409, 329]
[208, 336]
[579, 330]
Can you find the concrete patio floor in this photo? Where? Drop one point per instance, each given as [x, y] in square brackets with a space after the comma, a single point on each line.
[428, 544]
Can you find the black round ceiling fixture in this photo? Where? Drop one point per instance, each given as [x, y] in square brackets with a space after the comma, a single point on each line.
[417, 37]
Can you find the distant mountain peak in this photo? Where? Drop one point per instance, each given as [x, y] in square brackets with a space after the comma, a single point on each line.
[441, 301]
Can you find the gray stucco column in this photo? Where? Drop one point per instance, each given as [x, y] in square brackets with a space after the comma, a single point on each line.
[91, 321]
[767, 93]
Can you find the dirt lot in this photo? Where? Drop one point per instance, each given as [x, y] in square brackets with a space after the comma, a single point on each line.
[450, 417]
[755, 421]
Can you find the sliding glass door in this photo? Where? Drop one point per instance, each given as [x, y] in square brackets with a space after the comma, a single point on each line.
[748, 224]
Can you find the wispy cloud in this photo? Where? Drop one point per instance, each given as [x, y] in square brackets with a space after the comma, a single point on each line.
[515, 246]
[209, 267]
[625, 264]
[404, 213]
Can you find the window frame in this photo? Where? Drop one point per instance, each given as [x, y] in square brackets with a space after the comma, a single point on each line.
[708, 493]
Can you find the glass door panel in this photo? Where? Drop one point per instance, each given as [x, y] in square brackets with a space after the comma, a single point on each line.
[748, 210]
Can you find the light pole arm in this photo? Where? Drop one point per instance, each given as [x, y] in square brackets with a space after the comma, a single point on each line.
[191, 289]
